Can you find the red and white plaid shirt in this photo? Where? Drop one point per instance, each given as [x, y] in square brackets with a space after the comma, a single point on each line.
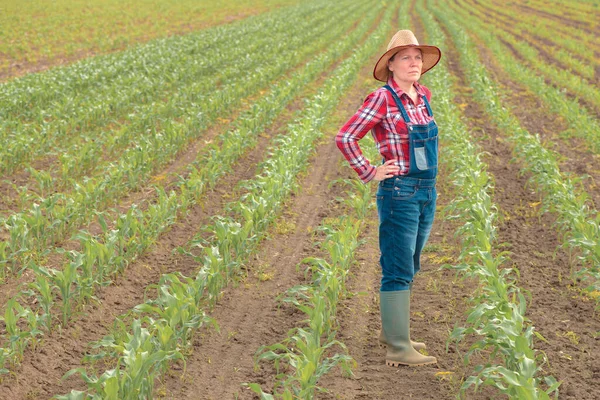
[380, 113]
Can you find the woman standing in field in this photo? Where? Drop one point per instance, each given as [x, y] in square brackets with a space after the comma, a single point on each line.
[406, 134]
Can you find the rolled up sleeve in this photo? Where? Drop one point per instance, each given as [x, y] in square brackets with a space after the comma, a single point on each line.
[368, 115]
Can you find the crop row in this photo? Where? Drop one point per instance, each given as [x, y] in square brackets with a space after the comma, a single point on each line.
[577, 221]
[563, 79]
[167, 323]
[565, 40]
[194, 104]
[571, 10]
[34, 32]
[303, 357]
[54, 217]
[497, 317]
[106, 255]
[175, 83]
[561, 50]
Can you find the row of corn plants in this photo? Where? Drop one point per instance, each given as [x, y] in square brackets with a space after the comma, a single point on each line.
[305, 354]
[527, 28]
[106, 255]
[578, 223]
[497, 315]
[172, 63]
[581, 10]
[562, 36]
[190, 102]
[54, 217]
[541, 32]
[563, 79]
[586, 14]
[165, 325]
[33, 33]
[53, 89]
[189, 97]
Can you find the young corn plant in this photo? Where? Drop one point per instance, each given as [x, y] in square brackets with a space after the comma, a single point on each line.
[577, 221]
[142, 158]
[18, 338]
[498, 315]
[258, 206]
[141, 359]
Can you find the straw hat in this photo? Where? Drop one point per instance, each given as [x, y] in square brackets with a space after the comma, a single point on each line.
[404, 39]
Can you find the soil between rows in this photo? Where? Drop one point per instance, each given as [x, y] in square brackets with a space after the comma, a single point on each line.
[565, 319]
[542, 45]
[574, 156]
[64, 350]
[250, 316]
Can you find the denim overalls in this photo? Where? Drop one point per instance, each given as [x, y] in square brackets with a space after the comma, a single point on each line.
[406, 205]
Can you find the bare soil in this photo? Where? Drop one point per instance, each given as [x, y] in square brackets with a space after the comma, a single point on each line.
[542, 45]
[564, 317]
[64, 350]
[507, 24]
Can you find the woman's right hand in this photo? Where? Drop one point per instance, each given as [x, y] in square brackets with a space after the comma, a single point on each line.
[386, 170]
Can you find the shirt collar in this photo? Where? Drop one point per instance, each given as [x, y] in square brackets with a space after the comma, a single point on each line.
[400, 92]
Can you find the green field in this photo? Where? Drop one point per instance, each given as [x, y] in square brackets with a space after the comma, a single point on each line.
[176, 221]
[36, 34]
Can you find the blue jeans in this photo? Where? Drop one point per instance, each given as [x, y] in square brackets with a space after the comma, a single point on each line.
[406, 208]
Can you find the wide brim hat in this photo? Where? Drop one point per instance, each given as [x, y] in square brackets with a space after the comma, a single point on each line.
[401, 40]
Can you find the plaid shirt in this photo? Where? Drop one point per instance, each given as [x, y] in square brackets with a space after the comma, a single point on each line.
[380, 113]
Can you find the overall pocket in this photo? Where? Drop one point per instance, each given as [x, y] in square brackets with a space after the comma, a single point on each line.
[425, 152]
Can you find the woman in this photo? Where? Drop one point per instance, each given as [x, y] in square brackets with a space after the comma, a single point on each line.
[406, 135]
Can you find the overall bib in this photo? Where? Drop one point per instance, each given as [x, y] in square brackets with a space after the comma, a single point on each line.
[406, 205]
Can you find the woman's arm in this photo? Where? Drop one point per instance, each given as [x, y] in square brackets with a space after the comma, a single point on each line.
[368, 115]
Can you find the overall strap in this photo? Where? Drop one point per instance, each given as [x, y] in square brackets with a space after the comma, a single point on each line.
[428, 106]
[401, 106]
[398, 104]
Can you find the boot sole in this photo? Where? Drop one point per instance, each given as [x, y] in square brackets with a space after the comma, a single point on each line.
[399, 363]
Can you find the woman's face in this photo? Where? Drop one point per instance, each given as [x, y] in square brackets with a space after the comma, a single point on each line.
[407, 65]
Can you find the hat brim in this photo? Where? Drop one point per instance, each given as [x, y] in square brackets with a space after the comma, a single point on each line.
[431, 56]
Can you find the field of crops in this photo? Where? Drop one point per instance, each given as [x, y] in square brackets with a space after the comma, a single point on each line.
[177, 222]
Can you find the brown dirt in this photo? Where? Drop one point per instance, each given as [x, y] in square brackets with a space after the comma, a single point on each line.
[556, 308]
[543, 46]
[42, 367]
[496, 16]
[65, 350]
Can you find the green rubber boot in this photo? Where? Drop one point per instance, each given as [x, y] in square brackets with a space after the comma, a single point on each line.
[416, 345]
[395, 318]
